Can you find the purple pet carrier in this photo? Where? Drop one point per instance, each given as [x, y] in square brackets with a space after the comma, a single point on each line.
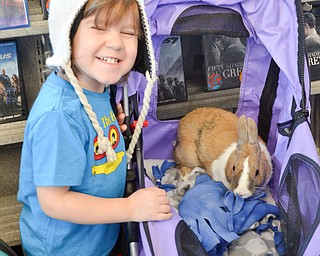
[275, 91]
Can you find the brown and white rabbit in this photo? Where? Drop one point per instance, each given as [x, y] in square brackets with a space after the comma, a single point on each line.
[226, 146]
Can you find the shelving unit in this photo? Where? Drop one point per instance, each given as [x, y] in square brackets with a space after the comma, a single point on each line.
[32, 43]
[197, 97]
[38, 26]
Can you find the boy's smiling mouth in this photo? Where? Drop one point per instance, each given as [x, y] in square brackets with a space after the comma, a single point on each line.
[108, 59]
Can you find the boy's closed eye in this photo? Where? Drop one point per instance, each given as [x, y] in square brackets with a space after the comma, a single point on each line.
[99, 28]
[129, 33]
[129, 29]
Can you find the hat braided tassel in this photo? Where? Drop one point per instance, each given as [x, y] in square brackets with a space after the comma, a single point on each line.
[104, 145]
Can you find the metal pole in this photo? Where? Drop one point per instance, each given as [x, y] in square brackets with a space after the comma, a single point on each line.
[131, 227]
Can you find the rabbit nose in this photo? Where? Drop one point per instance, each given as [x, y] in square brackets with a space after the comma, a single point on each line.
[243, 194]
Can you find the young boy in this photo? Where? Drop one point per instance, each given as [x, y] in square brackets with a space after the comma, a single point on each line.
[73, 163]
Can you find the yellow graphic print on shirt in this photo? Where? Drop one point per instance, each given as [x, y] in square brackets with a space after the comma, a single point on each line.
[101, 165]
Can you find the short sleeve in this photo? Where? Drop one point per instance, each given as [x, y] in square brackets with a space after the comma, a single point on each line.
[58, 146]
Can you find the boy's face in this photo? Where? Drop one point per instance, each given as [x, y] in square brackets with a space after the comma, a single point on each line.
[102, 55]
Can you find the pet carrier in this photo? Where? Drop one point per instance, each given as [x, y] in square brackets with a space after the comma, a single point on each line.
[274, 91]
[6, 250]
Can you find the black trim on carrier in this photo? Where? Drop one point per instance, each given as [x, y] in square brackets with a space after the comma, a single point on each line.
[267, 100]
[187, 242]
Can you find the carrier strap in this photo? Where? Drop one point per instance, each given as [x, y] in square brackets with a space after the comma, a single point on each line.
[113, 91]
[267, 100]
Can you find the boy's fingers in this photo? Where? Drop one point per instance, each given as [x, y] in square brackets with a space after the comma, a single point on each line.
[161, 192]
[165, 216]
[121, 117]
[123, 127]
[165, 209]
[119, 108]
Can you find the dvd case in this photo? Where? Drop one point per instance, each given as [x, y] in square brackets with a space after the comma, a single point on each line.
[171, 83]
[313, 41]
[13, 104]
[45, 6]
[14, 14]
[223, 61]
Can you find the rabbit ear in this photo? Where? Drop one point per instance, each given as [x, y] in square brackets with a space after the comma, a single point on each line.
[242, 131]
[252, 131]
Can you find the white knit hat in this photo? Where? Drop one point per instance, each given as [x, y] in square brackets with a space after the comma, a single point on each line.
[62, 15]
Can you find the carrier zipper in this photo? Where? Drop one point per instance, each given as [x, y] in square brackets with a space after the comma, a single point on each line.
[301, 57]
[303, 113]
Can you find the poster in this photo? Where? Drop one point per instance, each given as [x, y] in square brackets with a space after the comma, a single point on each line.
[13, 105]
[171, 83]
[14, 14]
[223, 61]
[312, 39]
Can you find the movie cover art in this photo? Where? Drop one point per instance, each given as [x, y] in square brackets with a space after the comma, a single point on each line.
[312, 39]
[223, 61]
[12, 93]
[13, 14]
[171, 83]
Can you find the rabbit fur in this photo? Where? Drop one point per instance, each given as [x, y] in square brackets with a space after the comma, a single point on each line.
[226, 146]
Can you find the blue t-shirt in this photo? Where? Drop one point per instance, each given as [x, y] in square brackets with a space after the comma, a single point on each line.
[59, 150]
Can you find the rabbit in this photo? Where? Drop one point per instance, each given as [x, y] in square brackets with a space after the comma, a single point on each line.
[226, 146]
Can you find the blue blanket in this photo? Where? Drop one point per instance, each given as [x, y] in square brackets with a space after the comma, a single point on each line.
[217, 216]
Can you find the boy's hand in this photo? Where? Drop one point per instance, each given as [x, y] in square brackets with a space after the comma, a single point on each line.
[149, 204]
[120, 117]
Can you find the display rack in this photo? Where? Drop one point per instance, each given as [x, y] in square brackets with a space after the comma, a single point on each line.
[32, 43]
[197, 97]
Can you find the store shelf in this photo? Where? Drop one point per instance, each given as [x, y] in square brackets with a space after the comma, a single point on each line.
[315, 87]
[38, 26]
[197, 97]
[10, 210]
[11, 133]
[309, 1]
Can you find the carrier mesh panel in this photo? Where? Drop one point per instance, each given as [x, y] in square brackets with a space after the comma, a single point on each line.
[299, 203]
[187, 242]
[205, 19]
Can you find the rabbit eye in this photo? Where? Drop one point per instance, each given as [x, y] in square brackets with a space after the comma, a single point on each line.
[257, 173]
[233, 168]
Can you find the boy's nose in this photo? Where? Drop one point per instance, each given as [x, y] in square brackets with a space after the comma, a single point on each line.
[113, 40]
